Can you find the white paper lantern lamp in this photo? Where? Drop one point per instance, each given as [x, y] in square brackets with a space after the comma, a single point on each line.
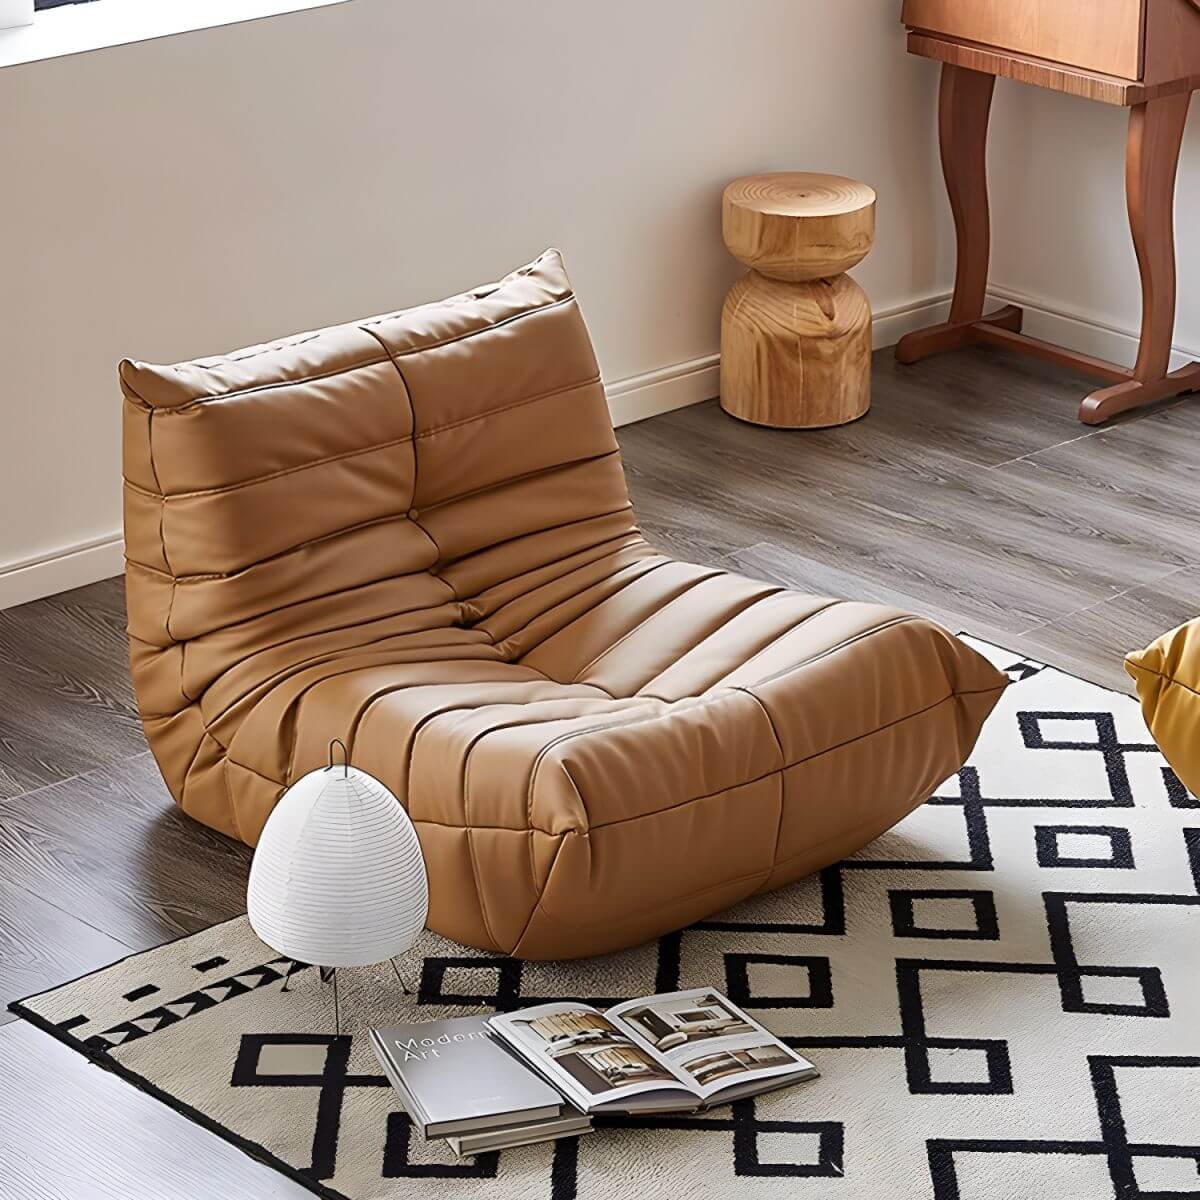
[338, 878]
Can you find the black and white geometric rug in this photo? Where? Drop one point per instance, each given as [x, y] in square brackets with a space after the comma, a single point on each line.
[1002, 994]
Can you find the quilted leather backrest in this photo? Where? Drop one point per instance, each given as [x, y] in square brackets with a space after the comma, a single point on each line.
[337, 488]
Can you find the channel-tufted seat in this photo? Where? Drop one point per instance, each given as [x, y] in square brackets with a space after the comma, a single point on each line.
[413, 533]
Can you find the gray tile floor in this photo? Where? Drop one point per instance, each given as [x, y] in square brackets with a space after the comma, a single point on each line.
[970, 493]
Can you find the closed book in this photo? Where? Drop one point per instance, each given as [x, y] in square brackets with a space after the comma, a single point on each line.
[520, 1135]
[454, 1077]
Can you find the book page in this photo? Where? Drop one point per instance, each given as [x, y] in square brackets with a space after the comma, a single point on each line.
[704, 1037]
[590, 1059]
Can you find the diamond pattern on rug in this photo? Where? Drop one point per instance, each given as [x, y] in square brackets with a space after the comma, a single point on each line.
[1001, 993]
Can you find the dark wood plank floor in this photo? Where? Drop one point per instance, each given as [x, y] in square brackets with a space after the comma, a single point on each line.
[970, 493]
[74, 1132]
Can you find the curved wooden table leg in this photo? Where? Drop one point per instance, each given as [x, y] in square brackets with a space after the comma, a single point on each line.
[964, 106]
[1151, 164]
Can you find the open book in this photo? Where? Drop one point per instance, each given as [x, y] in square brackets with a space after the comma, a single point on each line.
[675, 1052]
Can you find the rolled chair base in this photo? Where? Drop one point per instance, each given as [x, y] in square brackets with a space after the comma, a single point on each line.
[413, 533]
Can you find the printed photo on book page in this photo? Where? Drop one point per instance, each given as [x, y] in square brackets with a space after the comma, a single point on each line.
[705, 1037]
[579, 1049]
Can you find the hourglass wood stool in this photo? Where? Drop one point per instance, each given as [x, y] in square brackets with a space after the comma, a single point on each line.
[796, 329]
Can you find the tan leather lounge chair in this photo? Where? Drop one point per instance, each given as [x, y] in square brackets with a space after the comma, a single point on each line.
[413, 533]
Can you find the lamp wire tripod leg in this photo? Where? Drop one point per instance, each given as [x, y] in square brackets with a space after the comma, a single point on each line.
[327, 974]
[404, 984]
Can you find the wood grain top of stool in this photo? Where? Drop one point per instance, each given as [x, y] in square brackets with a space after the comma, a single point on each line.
[798, 225]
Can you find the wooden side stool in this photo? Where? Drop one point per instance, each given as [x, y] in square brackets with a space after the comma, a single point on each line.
[796, 330]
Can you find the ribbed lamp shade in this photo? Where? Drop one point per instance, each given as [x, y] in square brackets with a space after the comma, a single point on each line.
[338, 879]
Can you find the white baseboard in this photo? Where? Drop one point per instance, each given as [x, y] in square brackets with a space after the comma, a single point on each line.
[1081, 331]
[61, 570]
[889, 325]
[668, 388]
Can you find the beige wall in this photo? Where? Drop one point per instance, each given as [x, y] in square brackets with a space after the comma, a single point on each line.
[192, 194]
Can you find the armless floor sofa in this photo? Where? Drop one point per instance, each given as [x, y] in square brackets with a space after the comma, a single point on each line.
[413, 533]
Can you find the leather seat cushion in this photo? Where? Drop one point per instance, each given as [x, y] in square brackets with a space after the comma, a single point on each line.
[669, 752]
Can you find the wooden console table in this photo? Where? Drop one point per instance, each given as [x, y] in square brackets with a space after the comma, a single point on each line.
[1140, 54]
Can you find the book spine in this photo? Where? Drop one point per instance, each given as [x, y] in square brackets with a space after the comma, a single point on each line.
[416, 1115]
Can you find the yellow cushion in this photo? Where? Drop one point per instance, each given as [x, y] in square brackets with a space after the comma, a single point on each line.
[1167, 674]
